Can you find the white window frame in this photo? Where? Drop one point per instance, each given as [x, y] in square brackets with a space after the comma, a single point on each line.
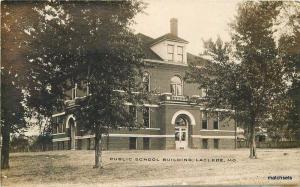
[149, 118]
[204, 116]
[62, 128]
[204, 92]
[180, 55]
[135, 142]
[218, 120]
[148, 75]
[170, 52]
[135, 110]
[87, 89]
[74, 92]
[57, 125]
[177, 85]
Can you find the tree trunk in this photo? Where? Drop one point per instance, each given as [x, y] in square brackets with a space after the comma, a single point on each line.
[252, 144]
[5, 148]
[235, 130]
[98, 150]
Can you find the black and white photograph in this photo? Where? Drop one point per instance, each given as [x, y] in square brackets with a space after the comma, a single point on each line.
[150, 93]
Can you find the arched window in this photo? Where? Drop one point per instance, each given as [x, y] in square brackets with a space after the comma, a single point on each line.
[176, 85]
[181, 121]
[146, 81]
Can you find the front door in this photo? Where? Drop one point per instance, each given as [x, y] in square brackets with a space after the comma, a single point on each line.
[181, 141]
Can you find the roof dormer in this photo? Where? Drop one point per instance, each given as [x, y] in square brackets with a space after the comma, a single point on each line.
[170, 47]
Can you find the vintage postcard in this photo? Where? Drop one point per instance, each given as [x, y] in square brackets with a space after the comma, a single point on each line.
[150, 93]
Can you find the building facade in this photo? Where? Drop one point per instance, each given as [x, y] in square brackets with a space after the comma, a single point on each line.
[176, 121]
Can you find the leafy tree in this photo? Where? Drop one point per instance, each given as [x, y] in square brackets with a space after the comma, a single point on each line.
[12, 97]
[290, 50]
[12, 113]
[87, 42]
[248, 75]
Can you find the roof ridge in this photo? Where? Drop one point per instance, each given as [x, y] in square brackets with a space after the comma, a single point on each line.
[169, 36]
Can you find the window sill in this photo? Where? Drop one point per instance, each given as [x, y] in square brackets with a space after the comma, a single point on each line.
[59, 133]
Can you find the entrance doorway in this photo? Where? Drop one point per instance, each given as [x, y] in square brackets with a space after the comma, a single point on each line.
[181, 132]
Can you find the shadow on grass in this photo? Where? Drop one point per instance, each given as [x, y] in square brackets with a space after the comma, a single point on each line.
[41, 156]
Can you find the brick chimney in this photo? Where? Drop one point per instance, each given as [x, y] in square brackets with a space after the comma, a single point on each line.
[174, 26]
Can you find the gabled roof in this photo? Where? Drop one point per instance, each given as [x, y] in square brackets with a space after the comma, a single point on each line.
[146, 41]
[169, 37]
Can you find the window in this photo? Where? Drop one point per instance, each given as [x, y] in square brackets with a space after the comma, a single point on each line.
[204, 143]
[57, 128]
[204, 120]
[87, 88]
[181, 121]
[177, 134]
[60, 128]
[204, 92]
[133, 111]
[146, 81]
[146, 117]
[216, 143]
[132, 143]
[170, 52]
[176, 85]
[54, 128]
[74, 91]
[183, 134]
[180, 53]
[204, 124]
[58, 125]
[146, 143]
[64, 125]
[216, 122]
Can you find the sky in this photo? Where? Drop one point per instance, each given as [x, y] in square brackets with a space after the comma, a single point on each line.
[197, 20]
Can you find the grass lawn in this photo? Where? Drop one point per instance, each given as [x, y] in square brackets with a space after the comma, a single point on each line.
[75, 168]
